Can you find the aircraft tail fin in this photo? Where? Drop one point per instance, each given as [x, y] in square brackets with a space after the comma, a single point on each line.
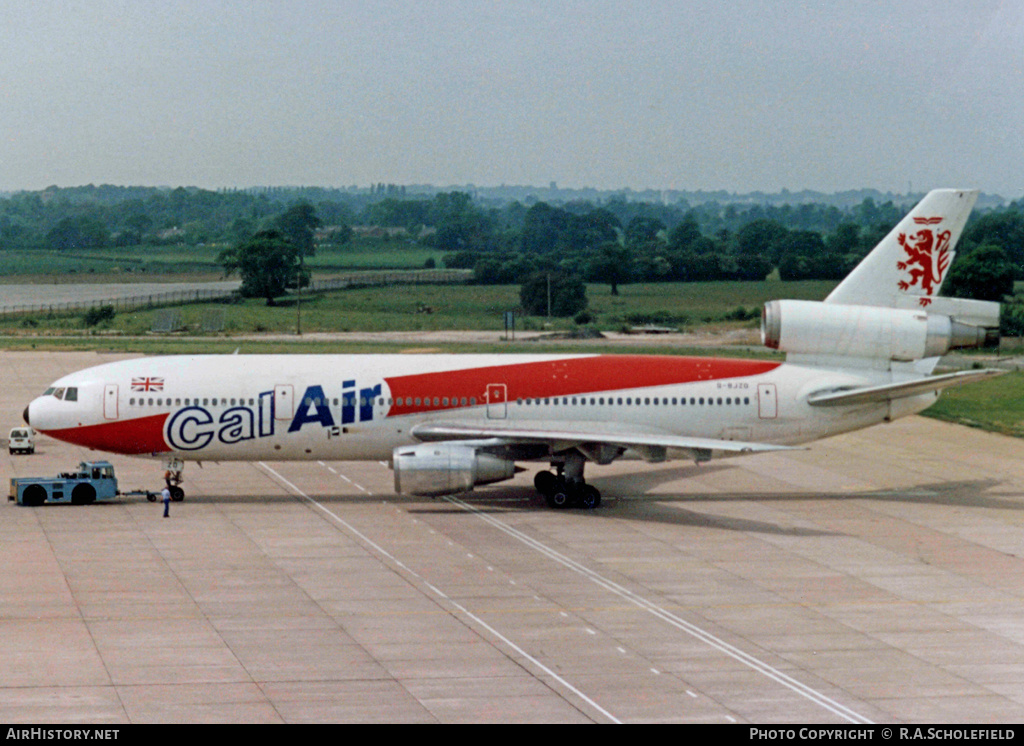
[907, 267]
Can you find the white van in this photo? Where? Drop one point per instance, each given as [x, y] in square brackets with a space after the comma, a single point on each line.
[22, 440]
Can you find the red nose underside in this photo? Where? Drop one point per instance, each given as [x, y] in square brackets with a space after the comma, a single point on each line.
[130, 437]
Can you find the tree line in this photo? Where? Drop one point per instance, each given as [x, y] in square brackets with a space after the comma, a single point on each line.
[614, 241]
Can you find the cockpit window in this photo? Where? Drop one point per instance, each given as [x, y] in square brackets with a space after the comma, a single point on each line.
[59, 393]
[49, 391]
[71, 394]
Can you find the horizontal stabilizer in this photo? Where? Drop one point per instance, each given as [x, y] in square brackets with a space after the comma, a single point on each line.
[566, 438]
[983, 313]
[889, 391]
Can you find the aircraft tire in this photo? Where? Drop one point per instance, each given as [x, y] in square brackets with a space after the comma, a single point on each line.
[590, 497]
[177, 494]
[560, 498]
[545, 482]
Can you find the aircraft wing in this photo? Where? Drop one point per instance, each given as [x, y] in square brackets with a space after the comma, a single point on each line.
[561, 438]
[890, 391]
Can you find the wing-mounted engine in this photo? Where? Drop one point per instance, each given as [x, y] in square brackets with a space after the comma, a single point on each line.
[808, 327]
[432, 469]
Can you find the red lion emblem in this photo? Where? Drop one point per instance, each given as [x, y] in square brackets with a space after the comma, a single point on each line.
[928, 258]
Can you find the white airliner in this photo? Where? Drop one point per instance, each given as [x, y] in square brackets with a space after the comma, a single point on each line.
[446, 423]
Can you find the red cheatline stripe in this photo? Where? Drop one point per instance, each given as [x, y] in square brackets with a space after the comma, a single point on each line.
[565, 377]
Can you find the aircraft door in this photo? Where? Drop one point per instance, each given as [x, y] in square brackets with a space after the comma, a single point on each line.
[497, 401]
[110, 401]
[767, 401]
[284, 402]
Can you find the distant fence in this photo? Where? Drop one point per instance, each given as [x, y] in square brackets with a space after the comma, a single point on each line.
[183, 297]
[397, 277]
[127, 303]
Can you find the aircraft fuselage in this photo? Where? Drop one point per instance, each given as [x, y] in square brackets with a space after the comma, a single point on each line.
[361, 407]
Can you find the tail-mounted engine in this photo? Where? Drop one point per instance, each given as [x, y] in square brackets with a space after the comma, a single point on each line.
[433, 469]
[811, 327]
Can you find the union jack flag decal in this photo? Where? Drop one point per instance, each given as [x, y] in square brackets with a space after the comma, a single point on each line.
[147, 383]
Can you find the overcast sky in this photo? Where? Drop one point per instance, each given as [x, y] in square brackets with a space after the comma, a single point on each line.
[672, 94]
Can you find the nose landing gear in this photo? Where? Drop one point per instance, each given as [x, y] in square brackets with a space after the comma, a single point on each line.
[173, 469]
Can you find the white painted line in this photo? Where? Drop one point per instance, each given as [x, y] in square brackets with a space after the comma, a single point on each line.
[674, 620]
[440, 594]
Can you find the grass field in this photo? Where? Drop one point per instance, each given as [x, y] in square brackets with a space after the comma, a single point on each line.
[117, 263]
[455, 307]
[996, 405]
[697, 302]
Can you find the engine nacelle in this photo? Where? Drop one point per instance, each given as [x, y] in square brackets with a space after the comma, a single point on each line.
[433, 469]
[865, 331]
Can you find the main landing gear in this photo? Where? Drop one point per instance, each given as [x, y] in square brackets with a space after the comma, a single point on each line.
[567, 489]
